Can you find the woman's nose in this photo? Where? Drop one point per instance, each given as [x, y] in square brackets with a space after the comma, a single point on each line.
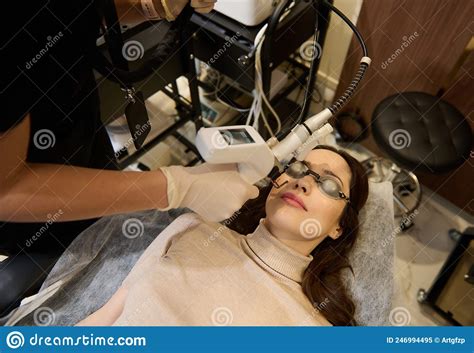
[303, 184]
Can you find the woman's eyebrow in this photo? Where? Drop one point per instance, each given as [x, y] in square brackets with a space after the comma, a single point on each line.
[325, 171]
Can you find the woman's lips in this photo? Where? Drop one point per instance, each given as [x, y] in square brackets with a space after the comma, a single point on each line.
[293, 200]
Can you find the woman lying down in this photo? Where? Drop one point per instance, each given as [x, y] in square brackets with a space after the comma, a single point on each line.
[285, 272]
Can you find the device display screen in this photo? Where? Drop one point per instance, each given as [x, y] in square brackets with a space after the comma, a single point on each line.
[237, 136]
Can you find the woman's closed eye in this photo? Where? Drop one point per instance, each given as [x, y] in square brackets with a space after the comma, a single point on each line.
[330, 184]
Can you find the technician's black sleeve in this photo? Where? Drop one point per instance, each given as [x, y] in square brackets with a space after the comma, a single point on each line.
[17, 93]
[43, 45]
[45, 71]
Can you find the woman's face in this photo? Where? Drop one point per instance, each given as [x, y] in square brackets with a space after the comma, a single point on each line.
[300, 211]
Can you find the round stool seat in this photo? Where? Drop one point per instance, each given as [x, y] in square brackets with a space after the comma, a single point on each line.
[422, 132]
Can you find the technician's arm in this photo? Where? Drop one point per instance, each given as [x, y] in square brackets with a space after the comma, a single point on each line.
[29, 191]
[130, 11]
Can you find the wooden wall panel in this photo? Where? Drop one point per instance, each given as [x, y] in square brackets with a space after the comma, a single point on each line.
[430, 36]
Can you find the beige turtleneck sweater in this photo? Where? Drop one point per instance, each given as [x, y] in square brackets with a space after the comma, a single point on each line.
[199, 273]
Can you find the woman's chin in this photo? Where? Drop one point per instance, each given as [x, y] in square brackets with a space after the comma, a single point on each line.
[285, 217]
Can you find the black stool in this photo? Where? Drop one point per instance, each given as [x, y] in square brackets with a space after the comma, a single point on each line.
[420, 133]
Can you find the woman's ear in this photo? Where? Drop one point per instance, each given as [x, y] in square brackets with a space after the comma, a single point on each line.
[336, 233]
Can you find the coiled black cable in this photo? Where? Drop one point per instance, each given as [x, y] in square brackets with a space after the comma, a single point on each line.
[349, 92]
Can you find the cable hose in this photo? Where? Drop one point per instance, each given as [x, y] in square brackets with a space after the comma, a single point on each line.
[348, 93]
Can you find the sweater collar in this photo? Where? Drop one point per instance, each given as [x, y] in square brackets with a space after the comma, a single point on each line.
[280, 257]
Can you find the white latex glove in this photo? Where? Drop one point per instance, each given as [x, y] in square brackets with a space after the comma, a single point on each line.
[214, 191]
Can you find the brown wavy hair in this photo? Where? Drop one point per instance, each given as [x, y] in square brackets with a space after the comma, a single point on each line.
[322, 281]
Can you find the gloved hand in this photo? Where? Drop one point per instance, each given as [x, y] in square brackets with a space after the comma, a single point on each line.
[203, 6]
[174, 7]
[213, 191]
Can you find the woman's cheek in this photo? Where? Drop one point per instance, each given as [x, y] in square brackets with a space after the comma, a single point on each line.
[324, 213]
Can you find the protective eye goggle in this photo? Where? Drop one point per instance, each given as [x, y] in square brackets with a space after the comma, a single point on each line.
[328, 184]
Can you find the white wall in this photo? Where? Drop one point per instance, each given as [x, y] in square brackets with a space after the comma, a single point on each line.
[337, 43]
